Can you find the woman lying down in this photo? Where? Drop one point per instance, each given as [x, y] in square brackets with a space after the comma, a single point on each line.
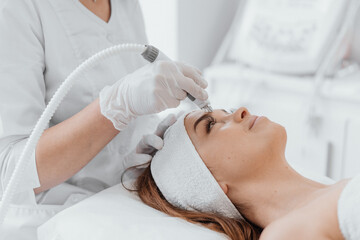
[228, 172]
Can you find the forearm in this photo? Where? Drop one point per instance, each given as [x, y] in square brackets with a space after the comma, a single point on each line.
[66, 148]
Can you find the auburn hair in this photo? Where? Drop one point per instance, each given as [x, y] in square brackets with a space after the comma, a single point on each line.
[236, 229]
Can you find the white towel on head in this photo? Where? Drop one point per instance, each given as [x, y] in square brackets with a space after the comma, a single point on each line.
[349, 210]
[184, 179]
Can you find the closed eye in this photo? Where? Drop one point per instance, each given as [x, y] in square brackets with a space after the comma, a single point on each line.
[210, 122]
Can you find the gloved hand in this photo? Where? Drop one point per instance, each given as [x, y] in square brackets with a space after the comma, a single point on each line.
[150, 89]
[148, 145]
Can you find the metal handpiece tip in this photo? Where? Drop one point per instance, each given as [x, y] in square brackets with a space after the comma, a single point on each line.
[207, 108]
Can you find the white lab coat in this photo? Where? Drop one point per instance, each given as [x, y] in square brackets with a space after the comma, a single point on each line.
[41, 43]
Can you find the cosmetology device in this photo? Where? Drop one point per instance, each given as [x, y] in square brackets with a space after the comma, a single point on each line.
[150, 53]
[288, 36]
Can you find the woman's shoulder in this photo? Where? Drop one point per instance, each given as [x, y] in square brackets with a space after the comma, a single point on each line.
[316, 220]
[292, 227]
[296, 227]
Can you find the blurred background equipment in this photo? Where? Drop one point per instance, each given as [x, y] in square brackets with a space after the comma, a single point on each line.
[290, 37]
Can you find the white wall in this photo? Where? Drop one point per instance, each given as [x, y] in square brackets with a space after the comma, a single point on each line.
[203, 25]
[161, 21]
[188, 30]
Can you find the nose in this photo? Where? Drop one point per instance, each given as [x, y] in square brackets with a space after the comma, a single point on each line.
[240, 114]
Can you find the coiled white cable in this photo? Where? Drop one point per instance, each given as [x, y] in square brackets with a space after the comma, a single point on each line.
[40, 126]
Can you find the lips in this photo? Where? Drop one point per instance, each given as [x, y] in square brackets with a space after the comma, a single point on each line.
[252, 121]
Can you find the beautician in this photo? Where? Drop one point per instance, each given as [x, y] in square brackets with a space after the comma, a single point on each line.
[82, 150]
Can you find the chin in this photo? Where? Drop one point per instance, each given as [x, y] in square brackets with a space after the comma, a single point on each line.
[280, 136]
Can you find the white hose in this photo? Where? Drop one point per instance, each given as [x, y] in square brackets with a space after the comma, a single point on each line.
[40, 126]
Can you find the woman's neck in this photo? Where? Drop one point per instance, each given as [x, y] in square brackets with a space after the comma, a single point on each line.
[274, 193]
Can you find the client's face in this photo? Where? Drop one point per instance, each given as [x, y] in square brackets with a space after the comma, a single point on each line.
[235, 146]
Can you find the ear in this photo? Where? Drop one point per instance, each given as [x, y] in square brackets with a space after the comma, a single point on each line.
[224, 187]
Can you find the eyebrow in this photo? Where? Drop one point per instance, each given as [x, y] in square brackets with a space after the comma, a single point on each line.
[203, 117]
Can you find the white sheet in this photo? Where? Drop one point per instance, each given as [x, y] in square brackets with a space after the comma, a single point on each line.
[348, 210]
[117, 214]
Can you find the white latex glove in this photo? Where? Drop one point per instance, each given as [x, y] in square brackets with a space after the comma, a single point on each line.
[150, 89]
[148, 145]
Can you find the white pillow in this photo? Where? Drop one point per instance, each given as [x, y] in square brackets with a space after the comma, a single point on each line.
[116, 213]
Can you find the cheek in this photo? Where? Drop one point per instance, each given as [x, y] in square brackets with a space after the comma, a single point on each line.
[244, 153]
[219, 156]
[228, 157]
[236, 153]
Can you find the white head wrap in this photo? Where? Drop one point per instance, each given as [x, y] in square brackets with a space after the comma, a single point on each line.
[183, 178]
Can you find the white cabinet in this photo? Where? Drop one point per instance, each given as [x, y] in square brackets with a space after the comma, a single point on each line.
[330, 149]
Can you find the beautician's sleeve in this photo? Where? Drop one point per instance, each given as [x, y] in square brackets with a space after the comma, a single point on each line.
[22, 86]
